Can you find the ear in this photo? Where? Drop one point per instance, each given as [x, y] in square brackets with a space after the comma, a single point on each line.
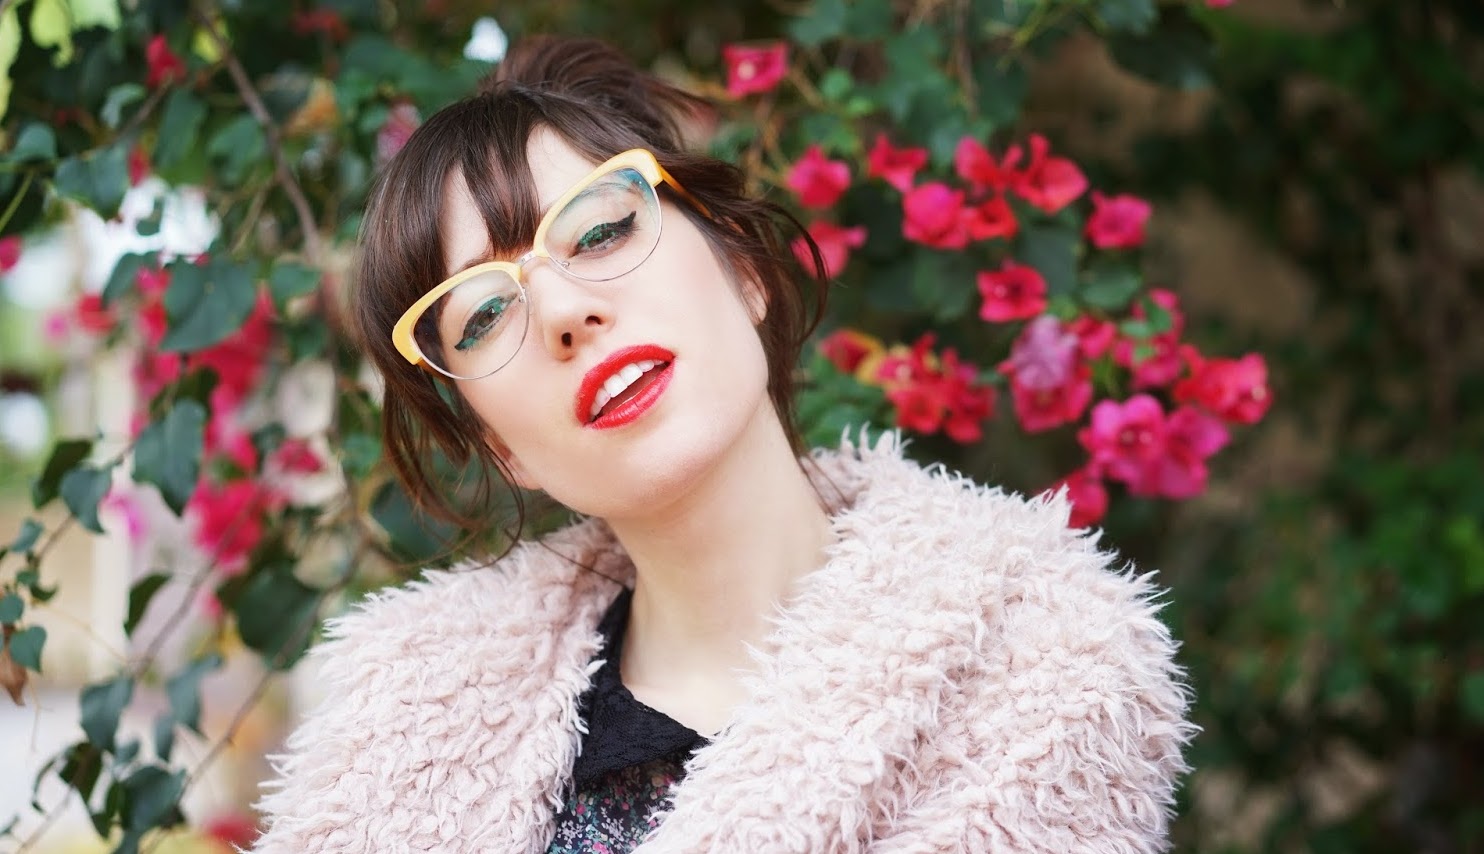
[755, 298]
[511, 464]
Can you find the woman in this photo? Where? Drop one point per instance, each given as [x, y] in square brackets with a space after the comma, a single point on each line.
[736, 650]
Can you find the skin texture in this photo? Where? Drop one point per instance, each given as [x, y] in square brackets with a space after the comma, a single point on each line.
[702, 491]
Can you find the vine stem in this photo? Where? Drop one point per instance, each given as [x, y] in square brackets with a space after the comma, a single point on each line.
[313, 249]
[15, 203]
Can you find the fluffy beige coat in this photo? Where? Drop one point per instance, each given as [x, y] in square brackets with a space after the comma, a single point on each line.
[965, 673]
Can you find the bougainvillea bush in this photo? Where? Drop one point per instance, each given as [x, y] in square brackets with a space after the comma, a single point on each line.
[987, 293]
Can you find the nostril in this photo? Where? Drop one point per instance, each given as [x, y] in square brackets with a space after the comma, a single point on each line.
[566, 339]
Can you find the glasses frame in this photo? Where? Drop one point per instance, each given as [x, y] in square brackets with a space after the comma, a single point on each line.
[640, 160]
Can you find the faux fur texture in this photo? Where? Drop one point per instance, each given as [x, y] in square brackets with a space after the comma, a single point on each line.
[965, 673]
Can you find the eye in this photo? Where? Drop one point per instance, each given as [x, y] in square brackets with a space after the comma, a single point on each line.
[482, 321]
[606, 235]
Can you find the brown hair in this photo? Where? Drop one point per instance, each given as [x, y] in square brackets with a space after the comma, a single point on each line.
[600, 104]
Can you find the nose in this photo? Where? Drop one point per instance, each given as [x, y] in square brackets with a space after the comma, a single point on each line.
[565, 312]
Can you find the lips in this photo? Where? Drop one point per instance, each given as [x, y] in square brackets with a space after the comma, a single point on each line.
[631, 405]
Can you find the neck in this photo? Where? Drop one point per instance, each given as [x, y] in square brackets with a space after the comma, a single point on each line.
[712, 564]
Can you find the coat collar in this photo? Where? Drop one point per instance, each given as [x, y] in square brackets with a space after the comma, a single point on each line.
[857, 664]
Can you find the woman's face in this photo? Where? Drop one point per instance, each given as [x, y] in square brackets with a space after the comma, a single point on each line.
[545, 409]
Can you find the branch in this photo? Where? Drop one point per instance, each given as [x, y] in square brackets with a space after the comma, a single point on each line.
[313, 249]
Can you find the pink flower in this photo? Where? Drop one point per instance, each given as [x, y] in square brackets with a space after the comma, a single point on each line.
[92, 316]
[932, 215]
[10, 253]
[989, 219]
[834, 244]
[1088, 495]
[848, 348]
[229, 520]
[1191, 437]
[1043, 355]
[977, 166]
[896, 166]
[1050, 183]
[1125, 439]
[400, 122]
[1014, 292]
[1117, 222]
[753, 69]
[1158, 367]
[1234, 390]
[164, 66]
[296, 456]
[1218, 4]
[818, 181]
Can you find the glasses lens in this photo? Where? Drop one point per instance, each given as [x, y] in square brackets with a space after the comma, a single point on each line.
[474, 329]
[609, 229]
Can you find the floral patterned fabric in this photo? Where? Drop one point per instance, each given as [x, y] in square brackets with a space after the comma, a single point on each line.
[631, 757]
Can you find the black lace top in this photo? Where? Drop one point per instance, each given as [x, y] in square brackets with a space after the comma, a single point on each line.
[631, 757]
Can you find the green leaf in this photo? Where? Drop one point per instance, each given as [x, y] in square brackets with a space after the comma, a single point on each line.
[82, 489]
[943, 284]
[275, 616]
[289, 280]
[180, 128]
[1053, 251]
[30, 532]
[35, 142]
[825, 20]
[1001, 84]
[126, 273]
[164, 735]
[238, 146]
[868, 20]
[140, 595]
[101, 705]
[1111, 287]
[119, 97]
[1134, 16]
[836, 84]
[206, 304]
[11, 608]
[64, 457]
[26, 646]
[98, 181]
[151, 796]
[415, 537]
[168, 453]
[82, 764]
[10, 45]
[184, 690]
[1179, 53]
[1471, 695]
[31, 580]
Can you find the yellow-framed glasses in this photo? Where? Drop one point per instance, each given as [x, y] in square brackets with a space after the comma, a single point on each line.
[605, 226]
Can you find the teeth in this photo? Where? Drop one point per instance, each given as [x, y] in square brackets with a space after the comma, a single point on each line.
[615, 385]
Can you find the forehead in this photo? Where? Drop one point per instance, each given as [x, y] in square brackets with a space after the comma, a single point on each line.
[554, 165]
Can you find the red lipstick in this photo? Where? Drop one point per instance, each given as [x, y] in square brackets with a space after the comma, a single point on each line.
[626, 412]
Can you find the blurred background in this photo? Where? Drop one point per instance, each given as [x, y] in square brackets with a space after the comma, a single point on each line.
[189, 479]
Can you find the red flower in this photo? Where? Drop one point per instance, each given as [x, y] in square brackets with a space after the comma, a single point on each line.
[1039, 409]
[164, 66]
[930, 396]
[233, 829]
[10, 253]
[238, 360]
[990, 218]
[848, 348]
[1158, 367]
[933, 216]
[1050, 183]
[896, 166]
[138, 165]
[818, 181]
[1088, 495]
[1191, 437]
[977, 166]
[1014, 292]
[834, 244]
[326, 21]
[92, 316]
[1125, 439]
[229, 520]
[1094, 336]
[296, 456]
[754, 69]
[1218, 4]
[1235, 390]
[1117, 222]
